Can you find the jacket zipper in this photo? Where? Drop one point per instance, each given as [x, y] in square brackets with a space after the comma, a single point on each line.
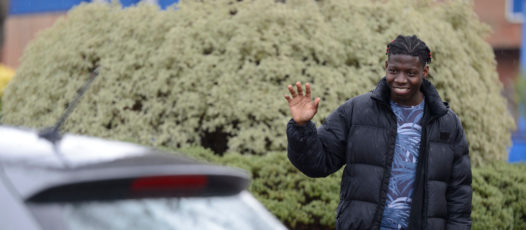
[424, 167]
[385, 186]
[417, 221]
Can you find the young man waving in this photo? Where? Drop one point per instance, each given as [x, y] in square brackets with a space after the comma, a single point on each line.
[406, 157]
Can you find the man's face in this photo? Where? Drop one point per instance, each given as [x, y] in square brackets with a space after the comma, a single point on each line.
[404, 75]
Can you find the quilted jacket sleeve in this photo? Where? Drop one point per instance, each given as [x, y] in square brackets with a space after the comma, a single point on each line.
[459, 191]
[318, 152]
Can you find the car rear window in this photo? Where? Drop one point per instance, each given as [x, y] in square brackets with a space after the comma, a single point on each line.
[211, 213]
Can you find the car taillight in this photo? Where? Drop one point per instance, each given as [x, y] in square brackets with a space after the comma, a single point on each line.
[143, 187]
[169, 183]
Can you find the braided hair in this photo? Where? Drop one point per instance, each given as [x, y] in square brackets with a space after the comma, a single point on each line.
[410, 45]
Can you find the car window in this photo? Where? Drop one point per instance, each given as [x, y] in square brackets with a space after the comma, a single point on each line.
[211, 213]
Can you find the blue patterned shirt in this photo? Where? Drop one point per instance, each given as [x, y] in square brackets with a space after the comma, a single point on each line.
[403, 171]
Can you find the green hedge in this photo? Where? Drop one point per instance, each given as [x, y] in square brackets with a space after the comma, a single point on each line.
[499, 191]
[214, 72]
[499, 200]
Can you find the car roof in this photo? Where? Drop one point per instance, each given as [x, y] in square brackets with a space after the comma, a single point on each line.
[36, 167]
[24, 146]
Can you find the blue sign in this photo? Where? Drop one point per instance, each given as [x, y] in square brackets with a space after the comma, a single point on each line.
[46, 6]
[39, 6]
[165, 3]
[514, 10]
[516, 6]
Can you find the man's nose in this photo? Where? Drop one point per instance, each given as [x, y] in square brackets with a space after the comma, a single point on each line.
[401, 78]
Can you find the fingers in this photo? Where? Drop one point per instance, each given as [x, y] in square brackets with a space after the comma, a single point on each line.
[300, 90]
[316, 103]
[292, 92]
[288, 98]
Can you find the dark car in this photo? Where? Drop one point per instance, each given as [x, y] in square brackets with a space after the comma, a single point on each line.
[81, 182]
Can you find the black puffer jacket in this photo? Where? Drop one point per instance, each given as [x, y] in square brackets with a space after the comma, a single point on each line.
[361, 134]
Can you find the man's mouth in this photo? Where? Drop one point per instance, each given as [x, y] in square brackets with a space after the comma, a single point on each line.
[401, 90]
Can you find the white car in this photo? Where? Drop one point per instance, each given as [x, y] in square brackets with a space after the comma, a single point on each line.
[79, 182]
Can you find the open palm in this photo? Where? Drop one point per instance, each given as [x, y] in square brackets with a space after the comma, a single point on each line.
[302, 108]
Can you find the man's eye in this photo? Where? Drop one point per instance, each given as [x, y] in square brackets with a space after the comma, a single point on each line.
[412, 73]
[393, 71]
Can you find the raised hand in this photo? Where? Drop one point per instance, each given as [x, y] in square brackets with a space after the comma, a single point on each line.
[302, 108]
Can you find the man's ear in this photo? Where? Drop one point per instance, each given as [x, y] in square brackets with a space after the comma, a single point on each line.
[385, 65]
[426, 71]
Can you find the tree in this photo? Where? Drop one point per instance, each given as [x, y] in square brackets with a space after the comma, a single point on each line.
[213, 73]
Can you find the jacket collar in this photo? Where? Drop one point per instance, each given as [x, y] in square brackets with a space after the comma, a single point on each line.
[433, 101]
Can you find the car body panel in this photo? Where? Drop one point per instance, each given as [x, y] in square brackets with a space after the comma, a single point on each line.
[40, 178]
[14, 214]
[78, 159]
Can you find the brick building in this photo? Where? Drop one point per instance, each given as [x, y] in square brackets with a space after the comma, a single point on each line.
[505, 40]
